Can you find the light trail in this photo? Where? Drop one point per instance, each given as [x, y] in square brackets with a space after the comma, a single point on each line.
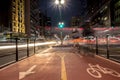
[25, 45]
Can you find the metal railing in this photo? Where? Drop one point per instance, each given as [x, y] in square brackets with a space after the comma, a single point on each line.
[108, 47]
[18, 50]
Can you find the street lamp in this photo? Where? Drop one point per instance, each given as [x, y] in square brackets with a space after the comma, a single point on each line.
[62, 1]
[60, 24]
[59, 2]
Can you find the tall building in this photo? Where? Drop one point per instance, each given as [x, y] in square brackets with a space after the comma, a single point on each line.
[12, 17]
[27, 18]
[18, 16]
[23, 18]
[99, 13]
[45, 23]
[34, 17]
[115, 12]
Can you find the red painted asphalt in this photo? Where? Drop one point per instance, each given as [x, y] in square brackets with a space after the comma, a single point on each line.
[62, 64]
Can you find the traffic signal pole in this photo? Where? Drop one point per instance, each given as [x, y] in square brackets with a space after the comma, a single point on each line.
[61, 37]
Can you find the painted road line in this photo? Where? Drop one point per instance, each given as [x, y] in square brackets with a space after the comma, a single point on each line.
[63, 68]
[80, 55]
[44, 51]
[28, 72]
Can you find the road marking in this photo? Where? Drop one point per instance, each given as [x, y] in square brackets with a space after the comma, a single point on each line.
[26, 73]
[96, 70]
[44, 51]
[63, 68]
[80, 55]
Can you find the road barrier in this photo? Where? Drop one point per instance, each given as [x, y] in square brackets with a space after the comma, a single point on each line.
[108, 47]
[20, 50]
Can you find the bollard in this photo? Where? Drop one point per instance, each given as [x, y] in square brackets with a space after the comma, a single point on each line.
[107, 45]
[96, 45]
[27, 47]
[16, 40]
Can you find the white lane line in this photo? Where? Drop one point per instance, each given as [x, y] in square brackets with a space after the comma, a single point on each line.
[28, 72]
[79, 55]
[45, 51]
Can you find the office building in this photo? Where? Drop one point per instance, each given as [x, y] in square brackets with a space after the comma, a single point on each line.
[99, 13]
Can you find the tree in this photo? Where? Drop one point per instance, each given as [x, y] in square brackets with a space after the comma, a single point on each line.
[87, 30]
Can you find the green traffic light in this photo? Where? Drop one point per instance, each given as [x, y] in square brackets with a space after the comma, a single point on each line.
[61, 25]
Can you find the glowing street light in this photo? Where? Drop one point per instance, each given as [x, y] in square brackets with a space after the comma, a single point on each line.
[62, 1]
[59, 2]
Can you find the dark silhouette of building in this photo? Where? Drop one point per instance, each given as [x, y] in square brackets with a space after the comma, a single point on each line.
[115, 12]
[99, 13]
[45, 24]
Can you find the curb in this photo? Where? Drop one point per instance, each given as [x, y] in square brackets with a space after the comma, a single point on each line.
[111, 61]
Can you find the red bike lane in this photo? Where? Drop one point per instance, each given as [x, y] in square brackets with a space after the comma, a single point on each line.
[80, 67]
[62, 64]
[43, 66]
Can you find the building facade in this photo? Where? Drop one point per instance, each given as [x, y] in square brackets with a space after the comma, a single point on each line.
[34, 18]
[23, 18]
[115, 12]
[18, 16]
[12, 17]
[99, 13]
[45, 24]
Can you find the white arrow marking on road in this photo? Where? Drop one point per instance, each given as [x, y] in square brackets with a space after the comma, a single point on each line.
[28, 72]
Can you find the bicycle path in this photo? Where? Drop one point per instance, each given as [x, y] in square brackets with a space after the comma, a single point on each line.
[62, 64]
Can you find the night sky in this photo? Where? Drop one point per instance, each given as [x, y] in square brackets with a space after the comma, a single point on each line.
[71, 8]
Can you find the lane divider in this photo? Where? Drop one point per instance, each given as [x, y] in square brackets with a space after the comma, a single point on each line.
[63, 68]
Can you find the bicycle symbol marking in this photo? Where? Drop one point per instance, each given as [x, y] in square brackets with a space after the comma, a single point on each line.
[94, 70]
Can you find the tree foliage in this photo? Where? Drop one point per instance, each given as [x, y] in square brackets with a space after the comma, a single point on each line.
[87, 30]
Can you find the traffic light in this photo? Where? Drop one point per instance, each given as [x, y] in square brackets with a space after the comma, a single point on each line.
[61, 25]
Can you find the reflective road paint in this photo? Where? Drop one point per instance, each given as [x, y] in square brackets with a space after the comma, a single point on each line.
[58, 64]
[28, 72]
[63, 68]
[96, 70]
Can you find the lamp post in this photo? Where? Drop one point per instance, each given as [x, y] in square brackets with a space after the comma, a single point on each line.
[60, 3]
[60, 24]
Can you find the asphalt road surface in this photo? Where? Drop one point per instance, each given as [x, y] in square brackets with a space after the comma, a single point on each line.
[62, 63]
